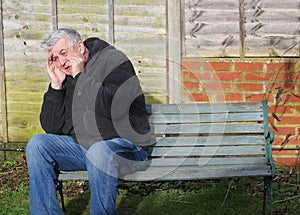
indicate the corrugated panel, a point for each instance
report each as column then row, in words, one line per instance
column 272, row 27
column 211, row 28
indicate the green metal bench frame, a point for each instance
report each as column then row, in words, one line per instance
column 205, row 141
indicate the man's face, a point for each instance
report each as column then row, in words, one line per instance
column 62, row 53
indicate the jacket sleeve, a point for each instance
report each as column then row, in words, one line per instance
column 52, row 113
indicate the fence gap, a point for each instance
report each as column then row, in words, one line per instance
column 242, row 28
column 2, row 84
column 54, row 15
column 111, row 24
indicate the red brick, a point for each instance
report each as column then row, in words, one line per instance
column 294, row 98
column 287, row 161
column 250, row 87
column 255, row 97
column 199, row 97
column 191, row 85
column 258, row 76
column 286, row 120
column 196, row 76
column 217, row 66
column 286, row 76
column 217, row 86
column 297, row 108
column 225, row 76
column 278, row 140
column 285, row 130
column 190, row 65
column 273, row 87
column 284, row 152
column 284, row 66
column 230, row 97
column 245, row 66
column 280, row 109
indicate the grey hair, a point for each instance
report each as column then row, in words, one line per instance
column 71, row 35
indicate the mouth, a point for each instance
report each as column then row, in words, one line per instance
column 67, row 70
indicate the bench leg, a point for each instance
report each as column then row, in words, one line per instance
column 59, row 188
column 268, row 188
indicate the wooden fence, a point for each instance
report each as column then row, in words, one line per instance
column 156, row 35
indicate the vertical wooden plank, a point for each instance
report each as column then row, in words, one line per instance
column 54, row 14
column 2, row 81
column 111, row 24
column 174, row 50
column 242, row 27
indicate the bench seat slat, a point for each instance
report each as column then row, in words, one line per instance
column 209, row 140
column 186, row 173
column 182, row 172
column 207, row 161
column 218, row 117
column 207, row 151
column 207, row 128
column 205, row 108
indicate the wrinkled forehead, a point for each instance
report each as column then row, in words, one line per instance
column 61, row 44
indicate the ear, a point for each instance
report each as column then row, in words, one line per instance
column 81, row 47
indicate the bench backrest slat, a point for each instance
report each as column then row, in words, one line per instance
column 207, row 161
column 209, row 140
column 207, row 151
column 160, row 129
column 205, row 117
column 205, row 108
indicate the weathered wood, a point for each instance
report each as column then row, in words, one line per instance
column 194, row 174
column 207, row 151
column 4, row 125
column 205, row 108
column 194, row 141
column 140, row 31
column 174, row 51
column 256, row 28
column 180, row 174
column 210, row 161
column 183, row 151
column 111, row 23
column 201, row 154
column 191, row 118
column 54, row 14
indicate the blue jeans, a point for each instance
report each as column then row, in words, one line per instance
column 105, row 162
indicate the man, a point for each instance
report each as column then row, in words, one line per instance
column 94, row 117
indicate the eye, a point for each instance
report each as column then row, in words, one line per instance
column 64, row 53
column 54, row 59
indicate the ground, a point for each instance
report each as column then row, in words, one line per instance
column 136, row 198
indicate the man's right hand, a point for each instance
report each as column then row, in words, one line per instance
column 56, row 76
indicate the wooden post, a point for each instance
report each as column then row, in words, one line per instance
column 54, row 15
column 242, row 28
column 111, row 24
column 173, row 41
column 2, row 82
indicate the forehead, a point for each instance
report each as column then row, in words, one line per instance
column 60, row 45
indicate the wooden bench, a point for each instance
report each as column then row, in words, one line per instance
column 206, row 141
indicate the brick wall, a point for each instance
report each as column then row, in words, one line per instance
column 234, row 80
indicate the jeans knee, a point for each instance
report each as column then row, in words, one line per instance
column 98, row 150
column 34, row 143
column 36, row 148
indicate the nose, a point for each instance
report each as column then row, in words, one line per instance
column 62, row 61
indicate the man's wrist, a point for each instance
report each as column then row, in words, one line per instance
column 56, row 86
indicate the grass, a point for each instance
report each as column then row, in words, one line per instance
column 224, row 196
